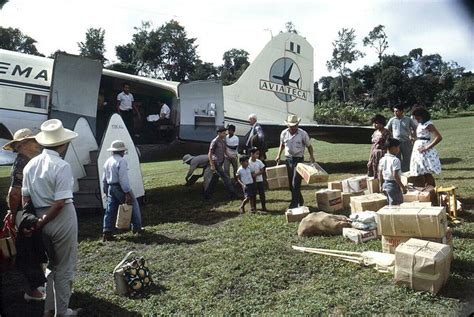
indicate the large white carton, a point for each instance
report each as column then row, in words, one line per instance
column 312, row 173
column 354, row 184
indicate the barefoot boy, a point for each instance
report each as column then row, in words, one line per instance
column 245, row 179
column 389, row 173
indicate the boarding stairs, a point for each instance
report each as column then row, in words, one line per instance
column 89, row 197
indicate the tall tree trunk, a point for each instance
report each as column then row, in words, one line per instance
column 343, row 91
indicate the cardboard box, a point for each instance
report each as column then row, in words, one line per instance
column 415, row 204
column 346, row 199
column 276, row 171
column 373, row 185
column 335, row 185
column 426, row 194
column 422, row 265
column 372, row 202
column 359, row 236
column 329, row 200
column 389, row 243
column 421, row 222
column 354, row 184
column 296, row 214
column 281, row 182
column 312, row 173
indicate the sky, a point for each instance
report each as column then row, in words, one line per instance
column 437, row 26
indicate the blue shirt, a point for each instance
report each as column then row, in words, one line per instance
column 116, row 172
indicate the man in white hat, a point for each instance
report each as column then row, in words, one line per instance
column 118, row 191
column 48, row 182
column 294, row 141
column 26, row 147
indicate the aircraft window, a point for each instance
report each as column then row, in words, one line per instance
column 298, row 49
column 36, row 101
column 292, row 46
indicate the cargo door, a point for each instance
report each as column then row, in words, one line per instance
column 201, row 110
column 75, row 89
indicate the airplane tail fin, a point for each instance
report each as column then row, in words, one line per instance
column 278, row 82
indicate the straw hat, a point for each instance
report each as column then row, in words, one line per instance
column 20, row 135
column 292, row 120
column 187, row 158
column 53, row 133
column 117, row 146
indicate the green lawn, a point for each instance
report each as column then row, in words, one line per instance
column 206, row 259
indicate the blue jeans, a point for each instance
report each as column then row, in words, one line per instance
column 225, row 178
column 294, row 179
column 115, row 197
column 394, row 192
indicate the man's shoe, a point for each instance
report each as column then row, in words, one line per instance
column 33, row 298
column 73, row 312
column 138, row 231
column 108, row 237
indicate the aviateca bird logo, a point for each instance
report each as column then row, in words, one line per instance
column 285, row 80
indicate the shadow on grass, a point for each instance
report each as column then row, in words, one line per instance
column 355, row 167
column 153, row 238
column 93, row 306
column 450, row 160
column 12, row 302
column 457, row 178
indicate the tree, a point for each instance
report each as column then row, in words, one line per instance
column 53, row 55
column 2, row 3
column 94, row 46
column 344, row 52
column 236, row 62
column 14, row 40
column 290, row 27
column 204, row 71
column 377, row 39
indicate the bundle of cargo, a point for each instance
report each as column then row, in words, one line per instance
column 422, row 265
column 365, row 220
column 329, row 200
column 371, row 202
column 296, row 214
column 416, row 222
column 312, row 173
column 422, row 194
column 358, row 235
column 354, row 184
column 373, row 185
column 335, row 185
column 277, row 177
column 346, row 199
column 390, row 243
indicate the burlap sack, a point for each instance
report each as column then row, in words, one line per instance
column 321, row 223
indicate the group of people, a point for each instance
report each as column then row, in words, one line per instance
column 42, row 212
column 404, row 144
column 223, row 153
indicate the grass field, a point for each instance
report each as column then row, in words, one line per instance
column 206, row 259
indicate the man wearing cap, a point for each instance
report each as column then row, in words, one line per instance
column 48, row 182
column 118, row 191
column 216, row 157
column 294, row 141
column 256, row 137
column 25, row 145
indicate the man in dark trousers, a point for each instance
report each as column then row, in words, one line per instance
column 256, row 138
column 126, row 106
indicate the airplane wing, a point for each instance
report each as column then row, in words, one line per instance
column 322, row 132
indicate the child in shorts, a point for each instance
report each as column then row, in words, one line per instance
column 389, row 173
column 245, row 179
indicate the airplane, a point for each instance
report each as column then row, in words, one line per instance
column 277, row 83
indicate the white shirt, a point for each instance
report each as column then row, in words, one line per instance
column 296, row 143
column 46, row 179
column 232, row 146
column 388, row 164
column 257, row 166
column 126, row 101
column 116, row 172
column 245, row 175
column 165, row 111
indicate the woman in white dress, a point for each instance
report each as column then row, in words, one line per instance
column 425, row 159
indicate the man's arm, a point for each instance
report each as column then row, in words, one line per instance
column 282, row 147
column 311, row 154
column 117, row 106
column 398, row 180
column 14, row 199
column 123, row 180
column 52, row 213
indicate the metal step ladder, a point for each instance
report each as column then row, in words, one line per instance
column 89, row 196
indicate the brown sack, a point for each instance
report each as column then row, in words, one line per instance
column 321, row 223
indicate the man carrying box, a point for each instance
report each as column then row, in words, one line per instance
column 294, row 140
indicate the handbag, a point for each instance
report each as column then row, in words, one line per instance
column 124, row 216
column 7, row 245
column 131, row 276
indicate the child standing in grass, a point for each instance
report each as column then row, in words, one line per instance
column 258, row 170
column 245, row 179
column 389, row 173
